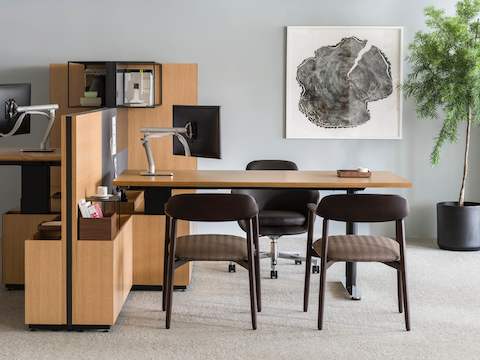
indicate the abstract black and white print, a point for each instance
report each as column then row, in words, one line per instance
column 339, row 82
column 343, row 82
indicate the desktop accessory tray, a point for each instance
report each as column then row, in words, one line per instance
column 345, row 173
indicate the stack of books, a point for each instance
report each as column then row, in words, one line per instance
column 90, row 98
column 89, row 210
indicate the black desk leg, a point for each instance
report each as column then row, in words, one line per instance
column 35, row 189
column 351, row 267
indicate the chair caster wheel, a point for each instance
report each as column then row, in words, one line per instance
column 298, row 262
column 273, row 274
column 315, row 269
column 231, row 268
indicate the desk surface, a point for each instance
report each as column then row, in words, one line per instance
column 229, row 179
column 16, row 156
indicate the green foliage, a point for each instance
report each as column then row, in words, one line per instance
column 445, row 72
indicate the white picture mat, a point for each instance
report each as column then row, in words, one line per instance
column 386, row 114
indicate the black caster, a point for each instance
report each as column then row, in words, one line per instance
column 298, row 262
column 231, row 268
column 273, row 274
column 315, row 269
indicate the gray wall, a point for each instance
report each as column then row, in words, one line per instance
column 239, row 46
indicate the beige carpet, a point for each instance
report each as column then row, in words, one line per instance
column 211, row 320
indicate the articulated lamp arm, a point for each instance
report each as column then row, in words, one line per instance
column 47, row 111
column 152, row 133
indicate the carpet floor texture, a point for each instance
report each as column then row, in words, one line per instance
column 211, row 320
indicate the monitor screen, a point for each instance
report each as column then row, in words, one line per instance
column 21, row 94
column 205, row 121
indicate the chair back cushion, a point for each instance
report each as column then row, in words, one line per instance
column 279, row 199
column 211, row 207
column 363, row 208
column 271, row 165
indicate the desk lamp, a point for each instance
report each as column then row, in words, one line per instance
column 48, row 111
column 182, row 133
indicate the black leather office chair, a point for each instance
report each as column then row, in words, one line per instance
column 282, row 212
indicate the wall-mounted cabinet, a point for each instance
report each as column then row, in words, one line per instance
column 114, row 84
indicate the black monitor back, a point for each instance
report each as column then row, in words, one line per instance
column 205, row 121
column 21, row 93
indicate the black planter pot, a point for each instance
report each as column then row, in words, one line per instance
column 458, row 227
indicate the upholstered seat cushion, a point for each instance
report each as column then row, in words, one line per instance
column 281, row 218
column 360, row 248
column 211, row 247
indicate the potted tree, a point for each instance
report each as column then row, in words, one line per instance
column 445, row 76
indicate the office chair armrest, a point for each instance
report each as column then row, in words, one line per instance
column 312, row 208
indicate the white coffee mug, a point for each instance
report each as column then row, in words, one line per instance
column 102, row 190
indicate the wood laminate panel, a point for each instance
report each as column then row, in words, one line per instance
column 103, row 278
column 148, row 250
column 122, row 267
column 16, row 229
column 44, row 283
column 179, row 86
column 102, row 269
column 261, row 179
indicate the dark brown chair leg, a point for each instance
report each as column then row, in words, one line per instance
column 165, row 263
column 257, row 265
column 405, row 299
column 171, row 271
column 323, row 274
column 308, row 257
column 400, row 235
column 399, row 291
column 251, row 276
column 306, row 287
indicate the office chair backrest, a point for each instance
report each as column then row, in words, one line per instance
column 363, row 208
column 271, row 165
column 279, row 199
column 211, row 207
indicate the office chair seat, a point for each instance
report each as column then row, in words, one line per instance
column 360, row 248
column 211, row 248
column 279, row 223
column 281, row 218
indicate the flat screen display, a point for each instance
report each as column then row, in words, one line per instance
column 21, row 94
column 205, row 121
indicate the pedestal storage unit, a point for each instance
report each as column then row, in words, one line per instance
column 17, row 228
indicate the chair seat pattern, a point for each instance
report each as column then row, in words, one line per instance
column 209, row 247
column 360, row 248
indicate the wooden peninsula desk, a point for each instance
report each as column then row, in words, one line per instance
column 159, row 188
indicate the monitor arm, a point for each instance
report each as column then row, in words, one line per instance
column 151, row 133
column 48, row 111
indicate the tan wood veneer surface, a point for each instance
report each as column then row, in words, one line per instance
column 255, row 178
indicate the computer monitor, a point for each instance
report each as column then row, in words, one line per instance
column 205, row 122
column 21, row 93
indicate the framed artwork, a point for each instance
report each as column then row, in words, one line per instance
column 343, row 82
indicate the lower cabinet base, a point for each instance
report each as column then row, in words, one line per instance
column 156, row 287
column 79, row 328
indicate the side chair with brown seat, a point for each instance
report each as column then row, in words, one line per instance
column 367, row 208
column 213, row 247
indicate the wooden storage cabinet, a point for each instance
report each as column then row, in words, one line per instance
column 45, row 282
column 148, row 247
column 17, row 228
column 103, row 278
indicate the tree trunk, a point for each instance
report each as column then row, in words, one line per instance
column 461, row 199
